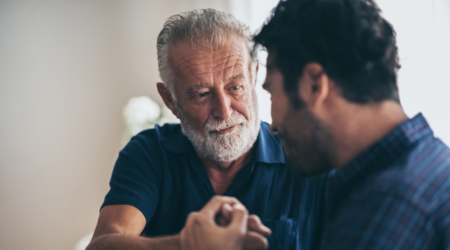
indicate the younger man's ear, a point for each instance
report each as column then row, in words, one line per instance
column 167, row 97
column 314, row 85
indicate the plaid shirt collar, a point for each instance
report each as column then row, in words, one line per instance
column 379, row 156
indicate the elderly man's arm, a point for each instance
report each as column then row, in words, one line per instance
column 119, row 227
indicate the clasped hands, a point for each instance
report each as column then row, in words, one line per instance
column 223, row 224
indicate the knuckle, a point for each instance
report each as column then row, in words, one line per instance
column 235, row 200
column 194, row 216
column 216, row 198
column 231, row 199
column 254, row 220
column 241, row 208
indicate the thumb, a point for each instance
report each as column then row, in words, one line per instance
column 239, row 218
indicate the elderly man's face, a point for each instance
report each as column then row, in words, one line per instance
column 215, row 98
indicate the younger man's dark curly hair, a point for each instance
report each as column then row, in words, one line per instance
column 349, row 38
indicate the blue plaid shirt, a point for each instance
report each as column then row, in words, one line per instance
column 395, row 195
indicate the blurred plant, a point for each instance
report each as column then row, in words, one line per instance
column 142, row 113
column 84, row 242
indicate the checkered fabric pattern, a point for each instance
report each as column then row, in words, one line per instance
column 395, row 195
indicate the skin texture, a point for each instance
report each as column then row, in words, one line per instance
column 209, row 83
column 328, row 131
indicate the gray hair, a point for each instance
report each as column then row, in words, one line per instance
column 205, row 27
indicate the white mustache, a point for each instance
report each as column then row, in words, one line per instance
column 216, row 125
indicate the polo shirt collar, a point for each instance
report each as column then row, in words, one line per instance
column 177, row 142
column 267, row 146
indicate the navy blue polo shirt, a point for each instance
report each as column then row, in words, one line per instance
column 159, row 173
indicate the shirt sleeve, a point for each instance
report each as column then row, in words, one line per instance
column 136, row 178
column 381, row 220
column 441, row 214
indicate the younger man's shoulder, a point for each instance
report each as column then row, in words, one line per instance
column 421, row 177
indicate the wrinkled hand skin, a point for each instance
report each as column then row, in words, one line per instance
column 224, row 224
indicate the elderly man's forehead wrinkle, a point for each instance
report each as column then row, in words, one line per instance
column 239, row 63
column 186, row 65
column 204, row 68
column 224, row 71
column 229, row 62
column 229, row 59
column 208, row 65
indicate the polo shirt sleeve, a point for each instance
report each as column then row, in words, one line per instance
column 136, row 178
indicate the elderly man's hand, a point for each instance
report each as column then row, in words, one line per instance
column 255, row 236
column 237, row 230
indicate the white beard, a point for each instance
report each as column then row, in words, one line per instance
column 227, row 147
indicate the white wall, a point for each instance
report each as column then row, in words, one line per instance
column 66, row 70
column 423, row 36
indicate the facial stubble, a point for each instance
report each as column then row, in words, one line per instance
column 307, row 143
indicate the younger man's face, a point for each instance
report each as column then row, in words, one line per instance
column 306, row 140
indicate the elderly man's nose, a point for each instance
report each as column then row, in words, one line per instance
column 222, row 107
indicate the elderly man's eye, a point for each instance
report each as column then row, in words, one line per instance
column 236, row 87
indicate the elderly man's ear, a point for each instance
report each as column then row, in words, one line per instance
column 167, row 97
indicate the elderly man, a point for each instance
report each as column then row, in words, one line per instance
column 220, row 148
column 331, row 72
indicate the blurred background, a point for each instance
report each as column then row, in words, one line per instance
column 68, row 68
